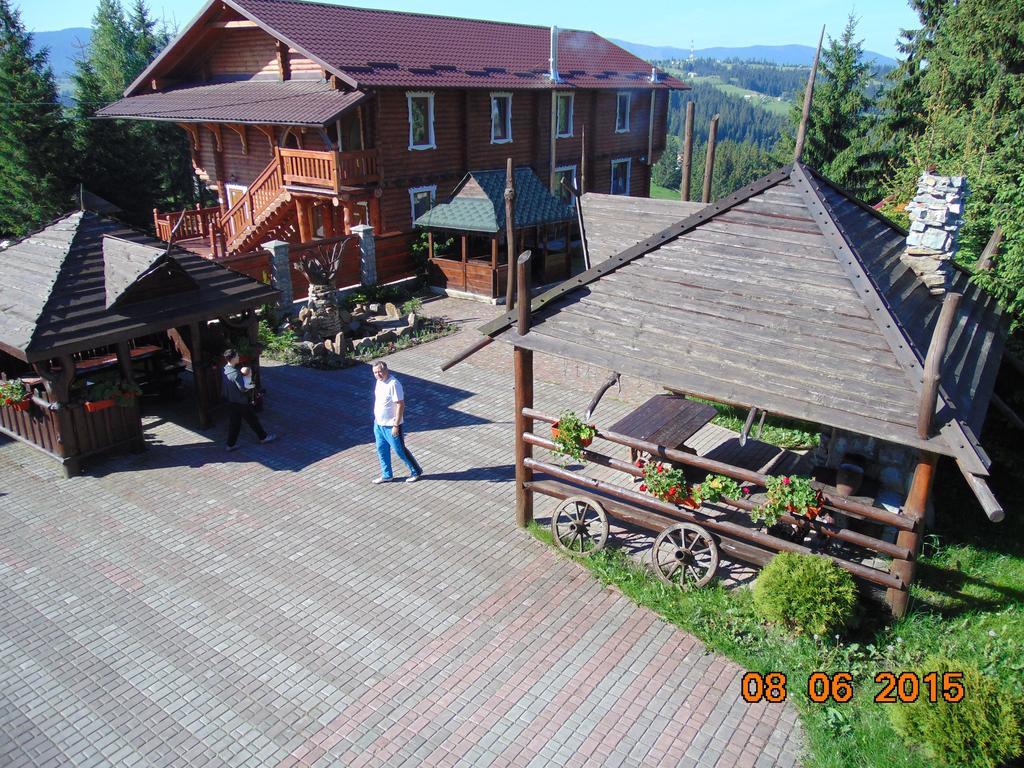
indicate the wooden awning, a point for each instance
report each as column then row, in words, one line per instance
column 789, row 296
column 86, row 281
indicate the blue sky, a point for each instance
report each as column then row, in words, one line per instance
column 653, row 22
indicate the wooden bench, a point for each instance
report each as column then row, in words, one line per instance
column 668, row 420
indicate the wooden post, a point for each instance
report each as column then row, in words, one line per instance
column 801, row 134
column 523, row 372
column 913, row 509
column 302, row 213
column 58, row 391
column 465, row 258
column 554, row 138
column 687, row 154
column 510, row 236
column 985, row 262
column 124, row 360
column 583, row 158
column 200, row 372
column 650, row 140
column 346, row 213
column 430, row 245
column 933, row 364
column 709, row 160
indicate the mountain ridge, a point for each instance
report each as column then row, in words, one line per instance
column 799, row 55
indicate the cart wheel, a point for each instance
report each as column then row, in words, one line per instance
column 685, row 555
column 579, row 526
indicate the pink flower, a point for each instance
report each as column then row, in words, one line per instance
column 785, row 481
column 745, row 491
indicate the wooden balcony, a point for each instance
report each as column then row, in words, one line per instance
column 330, row 171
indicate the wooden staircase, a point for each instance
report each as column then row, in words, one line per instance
column 266, row 207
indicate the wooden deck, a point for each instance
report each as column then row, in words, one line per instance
column 197, row 245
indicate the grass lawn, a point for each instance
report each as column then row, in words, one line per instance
column 768, row 103
column 663, row 193
column 967, row 603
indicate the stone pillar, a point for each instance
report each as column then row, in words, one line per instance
column 367, row 254
column 281, row 273
column 936, row 213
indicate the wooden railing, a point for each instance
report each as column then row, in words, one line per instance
column 199, row 222
column 360, row 167
column 326, row 171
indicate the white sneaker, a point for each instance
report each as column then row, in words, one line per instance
column 412, row 478
column 379, row 480
column 271, row 437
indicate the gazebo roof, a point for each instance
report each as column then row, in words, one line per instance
column 86, row 281
column 478, row 204
column 789, row 296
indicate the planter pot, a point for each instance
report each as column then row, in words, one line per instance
column 585, row 442
column 21, row 405
column 95, row 406
column 689, row 502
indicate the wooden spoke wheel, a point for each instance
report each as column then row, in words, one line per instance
column 579, row 526
column 685, row 555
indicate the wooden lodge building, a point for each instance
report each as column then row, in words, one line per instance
column 309, row 119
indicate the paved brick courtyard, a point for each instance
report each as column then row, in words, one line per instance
column 271, row 607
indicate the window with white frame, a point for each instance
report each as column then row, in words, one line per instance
column 501, row 118
column 567, row 172
column 622, row 101
column 563, row 127
column 620, row 176
column 421, row 200
column 421, row 120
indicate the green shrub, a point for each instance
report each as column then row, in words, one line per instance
column 983, row 730
column 806, row 593
column 412, row 306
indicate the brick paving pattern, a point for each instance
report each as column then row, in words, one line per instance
column 270, row 607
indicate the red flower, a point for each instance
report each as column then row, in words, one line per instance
column 785, row 481
column 745, row 491
column 643, row 487
column 660, row 469
column 639, row 462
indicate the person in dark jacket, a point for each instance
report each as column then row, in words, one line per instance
column 236, row 393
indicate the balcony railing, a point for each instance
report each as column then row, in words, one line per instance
column 329, row 170
column 186, row 225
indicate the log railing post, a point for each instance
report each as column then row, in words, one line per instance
column 687, row 164
column 914, row 509
column 933, row 364
column 709, row 159
column 523, row 372
column 510, row 236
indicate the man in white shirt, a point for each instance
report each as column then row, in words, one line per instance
column 388, row 413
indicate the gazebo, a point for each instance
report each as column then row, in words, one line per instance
column 788, row 297
column 86, row 300
column 475, row 214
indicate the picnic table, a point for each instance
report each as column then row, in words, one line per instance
column 668, row 420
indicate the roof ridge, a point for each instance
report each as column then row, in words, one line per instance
column 896, row 336
column 387, row 11
column 641, row 249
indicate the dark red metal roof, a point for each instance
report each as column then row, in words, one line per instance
column 293, row 102
column 372, row 48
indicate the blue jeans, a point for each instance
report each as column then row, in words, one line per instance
column 386, row 442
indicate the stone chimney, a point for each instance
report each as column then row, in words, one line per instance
column 936, row 213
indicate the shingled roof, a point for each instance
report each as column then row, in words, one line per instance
column 478, row 204
column 293, row 102
column 790, row 296
column 373, row 48
column 87, row 281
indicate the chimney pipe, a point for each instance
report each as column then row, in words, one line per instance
column 554, row 55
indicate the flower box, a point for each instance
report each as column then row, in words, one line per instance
column 584, row 441
column 21, row 405
column 95, row 406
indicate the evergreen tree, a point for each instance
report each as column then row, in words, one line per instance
column 138, row 165
column 838, row 133
column 33, row 189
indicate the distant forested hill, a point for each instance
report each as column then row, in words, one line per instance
column 65, row 46
column 740, row 120
column 801, row 55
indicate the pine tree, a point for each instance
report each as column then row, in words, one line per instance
column 33, row 150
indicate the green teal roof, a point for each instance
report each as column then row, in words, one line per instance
column 478, row 204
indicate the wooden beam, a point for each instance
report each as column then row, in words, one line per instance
column 214, row 128
column 801, row 134
column 283, row 65
column 684, row 186
column 583, row 158
column 193, row 131
column 302, row 213
column 989, row 503
column 650, row 135
column 709, row 160
column 933, row 364
column 233, row 24
column 523, row 291
column 240, row 130
column 268, row 131
column 472, row 349
column 510, row 235
column 988, row 256
column 914, row 510
column 522, row 366
column 608, row 384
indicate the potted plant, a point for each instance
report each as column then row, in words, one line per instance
column 15, row 395
column 666, row 482
column 107, row 394
column 571, row 435
column 715, row 488
column 788, row 494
